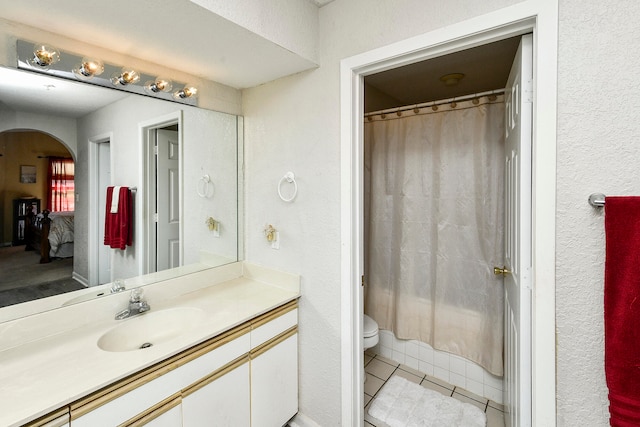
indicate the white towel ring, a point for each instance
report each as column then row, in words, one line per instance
column 290, row 178
column 203, row 183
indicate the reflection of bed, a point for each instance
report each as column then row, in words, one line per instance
column 50, row 233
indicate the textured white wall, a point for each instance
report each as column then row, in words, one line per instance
column 294, row 124
column 598, row 151
column 209, row 140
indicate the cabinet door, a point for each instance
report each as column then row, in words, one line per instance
column 170, row 418
column 220, row 400
column 274, row 383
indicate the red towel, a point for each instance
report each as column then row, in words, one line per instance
column 622, row 309
column 117, row 226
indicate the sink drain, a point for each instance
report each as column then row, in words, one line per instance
column 146, row 345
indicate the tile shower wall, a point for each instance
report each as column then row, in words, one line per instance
column 445, row 366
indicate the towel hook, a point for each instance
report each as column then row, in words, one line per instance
column 291, row 179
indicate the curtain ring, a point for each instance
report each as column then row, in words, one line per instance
column 290, row 178
column 203, row 182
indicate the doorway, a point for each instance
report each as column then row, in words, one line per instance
column 434, row 218
column 100, row 255
column 539, row 19
column 163, row 197
column 37, row 193
column 104, row 180
column 167, row 197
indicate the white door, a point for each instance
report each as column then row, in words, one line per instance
column 104, row 180
column 517, row 281
column 168, row 200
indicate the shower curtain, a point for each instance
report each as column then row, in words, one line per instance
column 434, row 227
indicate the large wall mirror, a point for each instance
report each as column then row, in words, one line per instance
column 181, row 161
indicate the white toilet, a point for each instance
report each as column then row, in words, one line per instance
column 369, row 332
column 370, row 335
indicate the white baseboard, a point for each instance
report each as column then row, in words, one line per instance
column 79, row 278
column 301, row 420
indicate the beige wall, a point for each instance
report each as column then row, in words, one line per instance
column 23, row 148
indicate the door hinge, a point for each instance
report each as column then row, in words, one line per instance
column 155, row 150
column 155, row 217
column 528, row 91
column 362, row 280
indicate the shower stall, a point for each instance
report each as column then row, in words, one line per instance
column 433, row 231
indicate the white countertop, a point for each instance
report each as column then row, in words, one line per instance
column 39, row 376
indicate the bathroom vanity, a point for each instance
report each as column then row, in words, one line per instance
column 218, row 347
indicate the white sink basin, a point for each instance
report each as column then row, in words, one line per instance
column 151, row 328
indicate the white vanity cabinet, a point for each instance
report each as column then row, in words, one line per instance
column 131, row 399
column 247, row 376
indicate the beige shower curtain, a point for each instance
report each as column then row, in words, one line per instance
column 434, row 227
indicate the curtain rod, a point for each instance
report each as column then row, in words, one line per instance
column 440, row 102
column 59, row 157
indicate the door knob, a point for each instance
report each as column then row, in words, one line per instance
column 498, row 271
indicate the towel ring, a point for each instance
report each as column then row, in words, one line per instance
column 290, row 178
column 203, row 182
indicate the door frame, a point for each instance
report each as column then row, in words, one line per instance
column 93, row 240
column 146, row 233
column 541, row 18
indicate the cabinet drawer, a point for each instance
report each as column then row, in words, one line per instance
column 269, row 327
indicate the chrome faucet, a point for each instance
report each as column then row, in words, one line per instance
column 137, row 305
column 118, row 286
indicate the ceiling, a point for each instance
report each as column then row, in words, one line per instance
column 40, row 94
column 219, row 50
column 175, row 33
column 485, row 68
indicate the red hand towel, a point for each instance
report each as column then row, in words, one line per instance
column 622, row 309
column 117, row 226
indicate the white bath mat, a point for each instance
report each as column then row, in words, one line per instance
column 401, row 403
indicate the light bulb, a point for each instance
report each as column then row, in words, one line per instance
column 126, row 77
column 160, row 84
column 44, row 56
column 186, row 92
column 88, row 68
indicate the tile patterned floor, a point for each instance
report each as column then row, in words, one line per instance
column 379, row 369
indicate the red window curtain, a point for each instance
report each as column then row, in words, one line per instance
column 60, row 189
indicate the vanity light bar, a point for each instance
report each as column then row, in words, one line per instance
column 82, row 68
